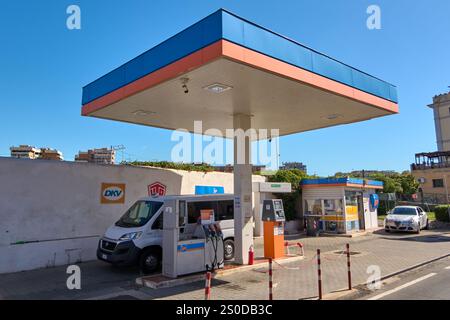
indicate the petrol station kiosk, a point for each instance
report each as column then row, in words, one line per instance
column 231, row 73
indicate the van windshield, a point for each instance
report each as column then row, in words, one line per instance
column 139, row 214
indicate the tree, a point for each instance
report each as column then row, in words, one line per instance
column 294, row 177
column 394, row 182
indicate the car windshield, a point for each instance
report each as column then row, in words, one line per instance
column 139, row 214
column 404, row 211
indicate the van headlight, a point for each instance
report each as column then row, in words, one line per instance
column 131, row 236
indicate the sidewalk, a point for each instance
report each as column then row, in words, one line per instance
column 391, row 252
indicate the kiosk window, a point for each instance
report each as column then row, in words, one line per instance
column 333, row 207
column 313, row 207
column 194, row 209
column 351, row 198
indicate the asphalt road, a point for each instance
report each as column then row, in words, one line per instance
column 431, row 282
column 102, row 281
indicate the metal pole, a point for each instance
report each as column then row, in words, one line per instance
column 208, row 286
column 349, row 269
column 270, row 280
column 302, row 250
column 446, row 189
column 319, row 274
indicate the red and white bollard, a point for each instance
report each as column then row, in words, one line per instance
column 319, row 274
column 270, row 280
column 251, row 256
column 349, row 271
column 208, row 286
column 302, row 250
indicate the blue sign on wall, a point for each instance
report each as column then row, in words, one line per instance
column 209, row 190
column 374, row 201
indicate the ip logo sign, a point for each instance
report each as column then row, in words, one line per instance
column 157, row 189
column 113, row 193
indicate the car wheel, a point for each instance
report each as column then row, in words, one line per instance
column 228, row 249
column 427, row 226
column 149, row 261
column 387, row 230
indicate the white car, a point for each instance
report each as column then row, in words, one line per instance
column 406, row 218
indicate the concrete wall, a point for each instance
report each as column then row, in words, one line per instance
column 54, row 207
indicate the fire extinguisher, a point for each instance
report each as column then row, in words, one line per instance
column 251, row 256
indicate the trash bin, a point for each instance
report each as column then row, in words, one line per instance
column 312, row 226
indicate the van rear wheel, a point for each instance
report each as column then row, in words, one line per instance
column 228, row 248
column 149, row 261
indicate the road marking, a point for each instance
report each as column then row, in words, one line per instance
column 384, row 294
column 447, row 268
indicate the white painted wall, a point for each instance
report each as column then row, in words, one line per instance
column 57, row 205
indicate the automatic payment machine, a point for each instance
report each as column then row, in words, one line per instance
column 273, row 218
column 190, row 248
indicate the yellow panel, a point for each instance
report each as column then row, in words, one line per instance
column 351, row 213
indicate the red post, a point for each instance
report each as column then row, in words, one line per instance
column 349, row 271
column 319, row 274
column 208, row 286
column 270, row 280
column 301, row 248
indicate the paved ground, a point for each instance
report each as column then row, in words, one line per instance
column 391, row 252
column 430, row 282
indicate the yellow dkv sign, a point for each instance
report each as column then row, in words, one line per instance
column 112, row 193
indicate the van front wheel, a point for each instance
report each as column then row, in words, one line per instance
column 149, row 261
column 228, row 248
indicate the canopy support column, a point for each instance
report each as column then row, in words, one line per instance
column 243, row 213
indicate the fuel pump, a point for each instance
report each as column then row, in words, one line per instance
column 190, row 248
column 273, row 218
column 214, row 249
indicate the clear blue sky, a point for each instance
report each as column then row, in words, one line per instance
column 43, row 67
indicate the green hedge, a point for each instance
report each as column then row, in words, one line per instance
column 442, row 213
column 173, row 165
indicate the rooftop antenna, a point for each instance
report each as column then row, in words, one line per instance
column 120, row 148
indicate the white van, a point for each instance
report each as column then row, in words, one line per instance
column 137, row 237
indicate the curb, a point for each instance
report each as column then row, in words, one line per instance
column 146, row 282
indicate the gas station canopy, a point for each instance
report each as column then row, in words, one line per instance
column 232, row 74
column 232, row 66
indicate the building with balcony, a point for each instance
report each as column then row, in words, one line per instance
column 441, row 111
column 33, row 153
column 432, row 169
column 98, row 156
column 25, row 152
column 51, row 154
column 293, row 165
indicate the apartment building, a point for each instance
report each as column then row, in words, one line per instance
column 30, row 152
column 98, row 156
